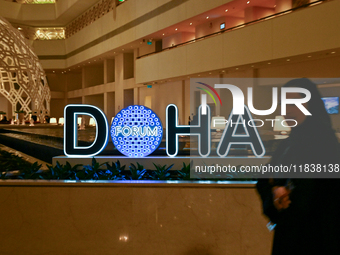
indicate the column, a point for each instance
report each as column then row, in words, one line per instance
column 119, row 82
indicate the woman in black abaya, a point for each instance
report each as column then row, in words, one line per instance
column 306, row 211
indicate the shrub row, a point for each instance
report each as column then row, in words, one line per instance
column 15, row 167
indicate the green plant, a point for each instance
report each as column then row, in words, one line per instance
column 115, row 171
column 161, row 172
column 30, row 171
column 12, row 162
column 93, row 171
column 184, row 173
column 61, row 172
column 20, row 111
column 137, row 173
column 14, row 167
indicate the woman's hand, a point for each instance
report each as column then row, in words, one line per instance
column 281, row 197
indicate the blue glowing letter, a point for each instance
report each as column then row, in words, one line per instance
column 173, row 130
column 71, row 147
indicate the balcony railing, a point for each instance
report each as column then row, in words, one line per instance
column 236, row 27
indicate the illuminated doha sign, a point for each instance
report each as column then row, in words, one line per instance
column 137, row 131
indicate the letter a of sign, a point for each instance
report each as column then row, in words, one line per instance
column 230, row 136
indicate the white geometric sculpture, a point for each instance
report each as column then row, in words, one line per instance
column 22, row 79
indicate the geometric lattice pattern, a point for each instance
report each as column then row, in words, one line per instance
column 33, row 1
column 49, row 33
column 44, row 33
column 22, row 79
column 91, row 15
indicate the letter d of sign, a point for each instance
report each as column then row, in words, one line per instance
column 71, row 147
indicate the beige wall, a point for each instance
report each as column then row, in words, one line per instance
column 6, row 107
column 162, row 95
column 57, row 110
column 255, row 12
column 141, row 219
column 209, row 27
column 177, row 39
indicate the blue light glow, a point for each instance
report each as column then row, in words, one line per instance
column 136, row 131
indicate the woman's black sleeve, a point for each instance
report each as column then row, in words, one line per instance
column 264, row 188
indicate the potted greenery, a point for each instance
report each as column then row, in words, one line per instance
column 21, row 115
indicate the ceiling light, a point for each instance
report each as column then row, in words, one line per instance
column 207, row 17
column 19, row 28
column 309, row 56
column 163, row 34
column 176, row 29
column 53, row 71
column 226, row 10
column 248, row 2
column 288, row 59
column 190, row 23
column 236, row 68
column 269, row 63
column 333, row 52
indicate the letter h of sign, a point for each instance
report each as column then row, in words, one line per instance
column 173, row 130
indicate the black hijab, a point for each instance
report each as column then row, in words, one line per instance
column 315, row 105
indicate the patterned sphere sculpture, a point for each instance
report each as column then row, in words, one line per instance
column 22, row 79
column 136, row 131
